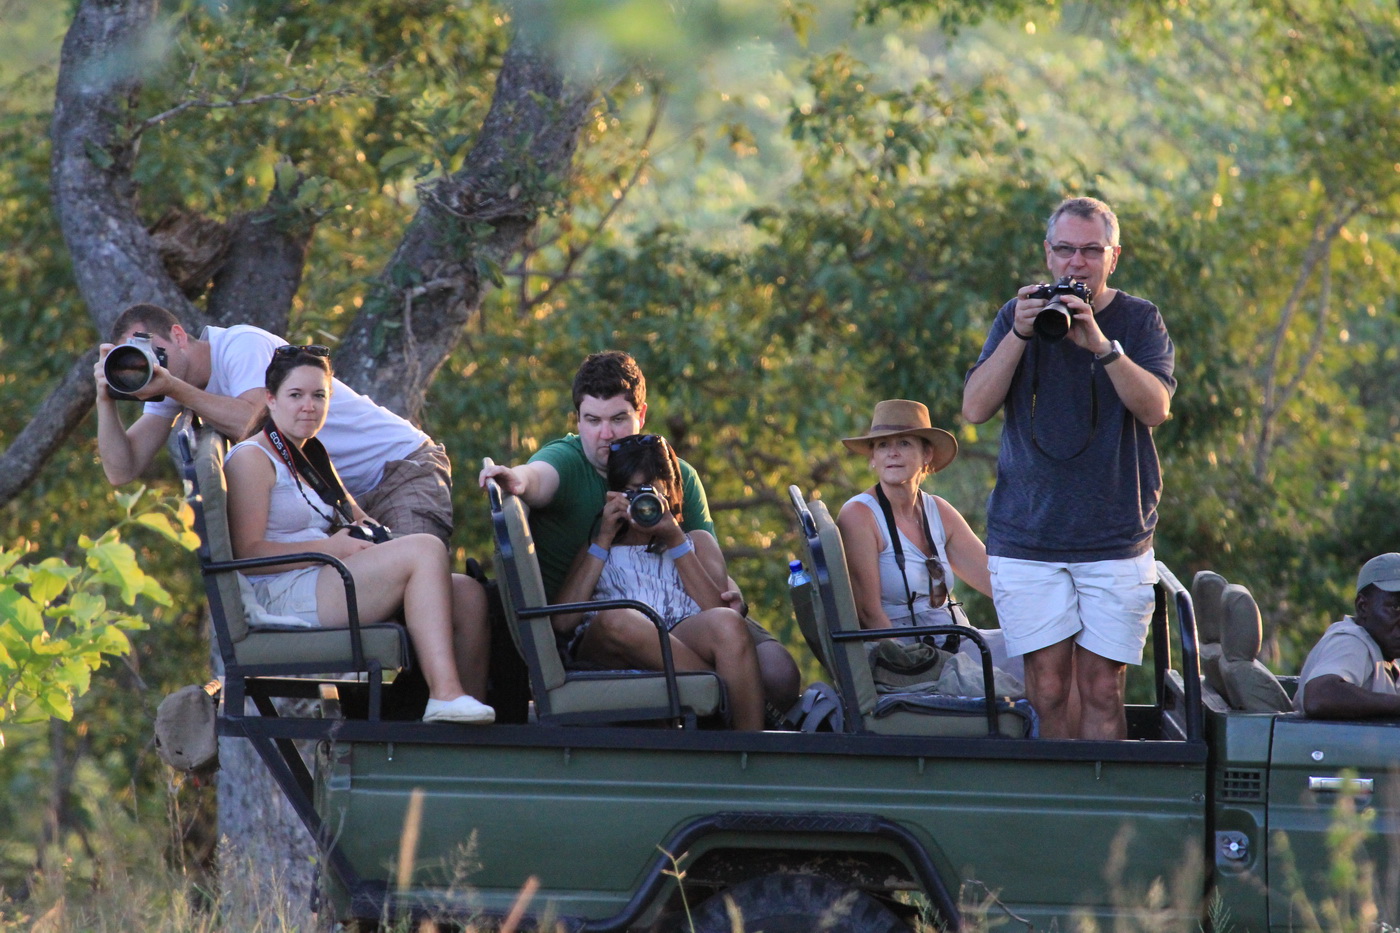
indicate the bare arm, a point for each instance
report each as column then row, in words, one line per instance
column 250, row 480
column 988, row 384
column 966, row 552
column 703, row 573
column 1142, row 393
column 536, row 483
column 125, row 452
column 584, row 573
column 861, row 538
column 1330, row 697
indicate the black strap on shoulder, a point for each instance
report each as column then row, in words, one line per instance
column 894, row 543
column 950, row 642
column 311, row 463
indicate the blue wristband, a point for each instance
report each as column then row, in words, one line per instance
column 680, row 550
column 598, row 551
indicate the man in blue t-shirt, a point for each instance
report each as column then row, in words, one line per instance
column 565, row 486
column 1070, row 520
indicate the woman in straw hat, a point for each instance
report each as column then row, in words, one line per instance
column 906, row 577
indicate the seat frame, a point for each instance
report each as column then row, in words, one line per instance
column 518, row 611
column 837, row 662
column 263, row 681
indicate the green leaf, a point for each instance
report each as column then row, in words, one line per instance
column 397, row 156
column 159, row 522
column 21, row 615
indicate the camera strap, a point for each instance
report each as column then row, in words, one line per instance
column 312, row 463
column 951, row 642
column 1035, row 393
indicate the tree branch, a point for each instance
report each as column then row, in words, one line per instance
column 467, row 222
column 54, row 420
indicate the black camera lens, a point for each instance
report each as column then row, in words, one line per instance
column 645, row 507
column 1053, row 321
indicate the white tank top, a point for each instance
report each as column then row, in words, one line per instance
column 893, row 598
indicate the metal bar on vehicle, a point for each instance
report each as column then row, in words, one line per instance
column 1190, row 652
column 352, row 606
column 964, row 631
column 668, row 663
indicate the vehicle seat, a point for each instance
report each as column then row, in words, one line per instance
column 257, row 654
column 1249, row 685
column 564, row 696
column 1206, row 589
column 828, row 607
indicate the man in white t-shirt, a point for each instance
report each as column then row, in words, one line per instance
column 398, row 474
column 1351, row 673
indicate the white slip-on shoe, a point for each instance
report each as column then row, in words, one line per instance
column 462, row 709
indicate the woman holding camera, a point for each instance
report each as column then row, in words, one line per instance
column 640, row 552
column 280, row 503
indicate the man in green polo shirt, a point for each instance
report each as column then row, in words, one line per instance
column 565, row 486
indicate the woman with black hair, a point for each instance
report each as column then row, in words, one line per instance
column 681, row 575
column 279, row 503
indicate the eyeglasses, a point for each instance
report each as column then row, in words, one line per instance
column 1065, row 251
column 637, row 440
column 311, row 349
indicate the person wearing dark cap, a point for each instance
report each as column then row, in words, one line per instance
column 903, row 546
column 1351, row 673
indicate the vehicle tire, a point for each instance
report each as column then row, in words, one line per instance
column 781, row 903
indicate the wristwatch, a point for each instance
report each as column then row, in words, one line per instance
column 1115, row 350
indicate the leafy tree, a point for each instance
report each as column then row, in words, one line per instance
column 59, row 626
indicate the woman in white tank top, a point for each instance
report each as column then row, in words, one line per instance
column 274, row 509
column 936, row 542
column 680, row 575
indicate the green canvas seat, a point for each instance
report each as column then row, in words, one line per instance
column 826, row 612
column 257, row 657
column 563, row 696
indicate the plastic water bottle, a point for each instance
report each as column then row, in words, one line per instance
column 797, row 575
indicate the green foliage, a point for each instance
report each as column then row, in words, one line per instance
column 59, row 625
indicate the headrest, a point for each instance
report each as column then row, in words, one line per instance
column 1206, row 589
column 1241, row 631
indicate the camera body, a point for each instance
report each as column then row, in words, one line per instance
column 646, row 506
column 369, row 531
column 131, row 366
column 1055, row 319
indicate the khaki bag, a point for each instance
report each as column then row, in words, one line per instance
column 187, row 737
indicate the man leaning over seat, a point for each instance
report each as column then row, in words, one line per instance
column 400, row 476
column 1350, row 673
column 565, row 486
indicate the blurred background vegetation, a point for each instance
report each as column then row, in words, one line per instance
column 786, row 211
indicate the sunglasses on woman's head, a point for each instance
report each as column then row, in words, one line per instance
column 311, row 349
column 637, row 440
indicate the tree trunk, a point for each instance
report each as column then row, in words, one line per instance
column 469, row 222
column 267, row 859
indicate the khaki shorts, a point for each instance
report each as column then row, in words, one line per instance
column 1105, row 606
column 415, row 494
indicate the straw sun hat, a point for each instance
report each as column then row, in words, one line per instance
column 901, row 416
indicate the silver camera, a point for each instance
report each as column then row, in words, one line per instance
column 130, row 367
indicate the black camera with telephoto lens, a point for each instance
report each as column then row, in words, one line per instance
column 646, row 506
column 131, row 366
column 1055, row 319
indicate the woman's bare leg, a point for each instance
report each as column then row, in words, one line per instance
column 412, row 572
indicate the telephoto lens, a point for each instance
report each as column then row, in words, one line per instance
column 131, row 366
